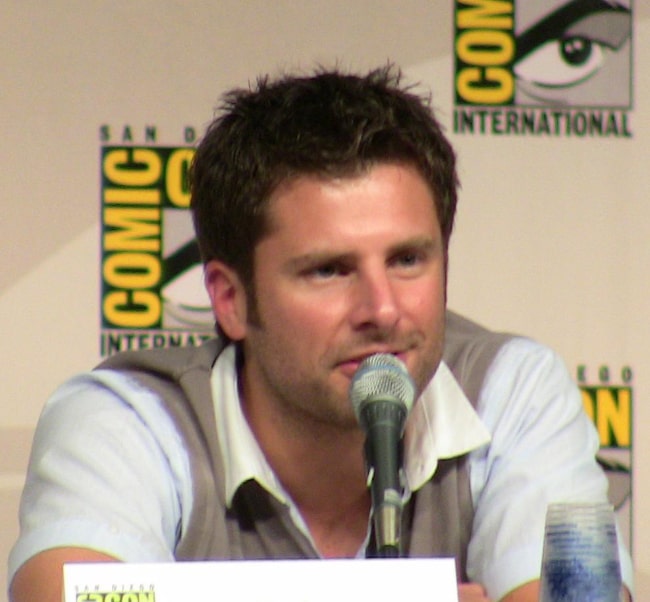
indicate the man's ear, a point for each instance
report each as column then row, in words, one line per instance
column 228, row 298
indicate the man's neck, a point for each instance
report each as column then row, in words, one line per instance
column 332, row 498
column 323, row 470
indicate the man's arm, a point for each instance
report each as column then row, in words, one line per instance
column 529, row 592
column 102, row 477
column 543, row 449
column 40, row 579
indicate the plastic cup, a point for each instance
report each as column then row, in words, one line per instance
column 580, row 561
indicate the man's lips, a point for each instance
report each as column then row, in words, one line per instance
column 349, row 367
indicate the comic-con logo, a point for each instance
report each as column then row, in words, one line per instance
column 135, row 595
column 152, row 293
column 553, row 67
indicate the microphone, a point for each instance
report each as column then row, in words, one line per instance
column 382, row 395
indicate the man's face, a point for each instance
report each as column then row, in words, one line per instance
column 351, row 267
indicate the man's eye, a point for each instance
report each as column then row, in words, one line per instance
column 407, row 259
column 325, row 271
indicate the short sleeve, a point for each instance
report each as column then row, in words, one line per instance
column 543, row 450
column 107, row 472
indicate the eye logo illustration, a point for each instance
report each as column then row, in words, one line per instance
column 578, row 55
column 185, row 303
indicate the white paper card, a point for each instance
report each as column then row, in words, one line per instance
column 381, row 580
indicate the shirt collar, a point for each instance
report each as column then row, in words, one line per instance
column 442, row 424
column 243, row 458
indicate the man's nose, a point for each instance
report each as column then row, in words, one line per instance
column 376, row 302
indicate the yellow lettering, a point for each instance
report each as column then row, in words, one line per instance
column 138, row 309
column 613, row 417
column 132, row 196
column 175, row 180
column 487, row 14
column 485, row 86
column 485, row 48
column 132, row 167
column 588, row 404
column 132, row 270
column 139, row 229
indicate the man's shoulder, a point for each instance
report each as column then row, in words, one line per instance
column 174, row 361
column 459, row 328
column 469, row 351
column 467, row 341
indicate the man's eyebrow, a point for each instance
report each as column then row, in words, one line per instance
column 314, row 258
column 419, row 243
column 557, row 24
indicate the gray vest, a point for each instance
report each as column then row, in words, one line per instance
column 437, row 521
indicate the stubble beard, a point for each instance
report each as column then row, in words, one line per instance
column 308, row 405
column 312, row 406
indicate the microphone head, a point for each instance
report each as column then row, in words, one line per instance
column 381, row 377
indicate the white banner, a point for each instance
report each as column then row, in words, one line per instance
column 382, row 580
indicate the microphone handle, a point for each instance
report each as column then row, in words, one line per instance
column 383, row 450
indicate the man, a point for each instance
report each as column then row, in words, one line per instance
column 323, row 208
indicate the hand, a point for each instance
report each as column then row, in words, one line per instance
column 472, row 592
